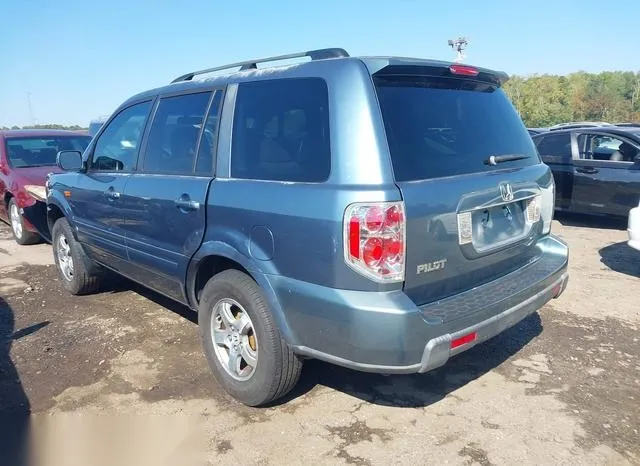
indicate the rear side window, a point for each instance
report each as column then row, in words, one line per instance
column 281, row 131
column 208, row 140
column 174, row 134
column 439, row 127
column 558, row 145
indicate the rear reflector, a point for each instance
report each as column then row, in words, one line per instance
column 463, row 70
column 557, row 290
column 464, row 340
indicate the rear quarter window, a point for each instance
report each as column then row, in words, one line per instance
column 281, row 131
column 439, row 127
column 557, row 145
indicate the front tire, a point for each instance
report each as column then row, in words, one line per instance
column 71, row 261
column 242, row 343
column 21, row 235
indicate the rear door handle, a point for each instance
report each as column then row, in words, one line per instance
column 185, row 203
column 589, row 170
column 111, row 194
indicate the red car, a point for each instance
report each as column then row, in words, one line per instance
column 26, row 157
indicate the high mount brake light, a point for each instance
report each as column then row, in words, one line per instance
column 464, row 70
column 374, row 240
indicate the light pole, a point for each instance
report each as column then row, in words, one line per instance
column 459, row 45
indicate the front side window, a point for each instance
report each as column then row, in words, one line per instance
column 174, row 134
column 605, row 147
column 41, row 151
column 281, row 131
column 117, row 147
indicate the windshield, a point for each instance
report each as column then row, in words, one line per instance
column 440, row 127
column 39, row 151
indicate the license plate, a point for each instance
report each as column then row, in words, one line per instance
column 498, row 225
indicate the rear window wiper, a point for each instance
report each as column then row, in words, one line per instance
column 496, row 159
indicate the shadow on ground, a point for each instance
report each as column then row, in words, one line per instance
column 420, row 390
column 591, row 221
column 416, row 390
column 14, row 403
column 621, row 258
column 118, row 284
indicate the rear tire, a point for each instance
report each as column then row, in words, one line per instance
column 18, row 228
column 250, row 329
column 76, row 269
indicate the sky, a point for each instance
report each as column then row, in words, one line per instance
column 78, row 60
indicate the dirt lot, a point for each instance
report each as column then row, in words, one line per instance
column 120, row 378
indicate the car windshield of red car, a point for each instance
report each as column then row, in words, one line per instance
column 41, row 151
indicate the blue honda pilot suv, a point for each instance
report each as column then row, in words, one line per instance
column 381, row 213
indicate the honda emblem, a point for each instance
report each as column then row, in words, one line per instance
column 506, row 191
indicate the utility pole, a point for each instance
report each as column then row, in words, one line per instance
column 459, row 45
column 31, row 116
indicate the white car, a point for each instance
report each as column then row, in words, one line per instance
column 634, row 228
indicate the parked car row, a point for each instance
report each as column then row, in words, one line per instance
column 382, row 214
column 596, row 168
column 634, row 227
column 26, row 157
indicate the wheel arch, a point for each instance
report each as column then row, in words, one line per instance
column 56, row 209
column 7, row 197
column 215, row 257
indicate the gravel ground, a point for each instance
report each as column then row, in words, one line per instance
column 119, row 378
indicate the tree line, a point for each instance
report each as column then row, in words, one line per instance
column 544, row 100
column 48, row 126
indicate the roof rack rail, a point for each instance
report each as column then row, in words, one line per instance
column 320, row 54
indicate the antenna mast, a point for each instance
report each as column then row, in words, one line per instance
column 459, row 45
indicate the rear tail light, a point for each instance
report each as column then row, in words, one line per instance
column 547, row 201
column 534, row 206
column 463, row 70
column 374, row 240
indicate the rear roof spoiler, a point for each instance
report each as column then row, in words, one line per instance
column 442, row 70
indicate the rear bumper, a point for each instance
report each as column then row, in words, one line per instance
column 634, row 228
column 439, row 350
column 388, row 333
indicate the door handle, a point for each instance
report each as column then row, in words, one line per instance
column 111, row 194
column 589, row 170
column 185, row 203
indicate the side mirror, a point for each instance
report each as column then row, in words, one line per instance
column 69, row 160
column 3, row 168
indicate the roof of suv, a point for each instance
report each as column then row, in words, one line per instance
column 326, row 57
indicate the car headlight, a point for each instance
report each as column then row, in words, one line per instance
column 38, row 192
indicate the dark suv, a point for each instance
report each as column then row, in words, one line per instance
column 383, row 214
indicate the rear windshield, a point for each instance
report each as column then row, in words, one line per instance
column 440, row 127
column 41, row 151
